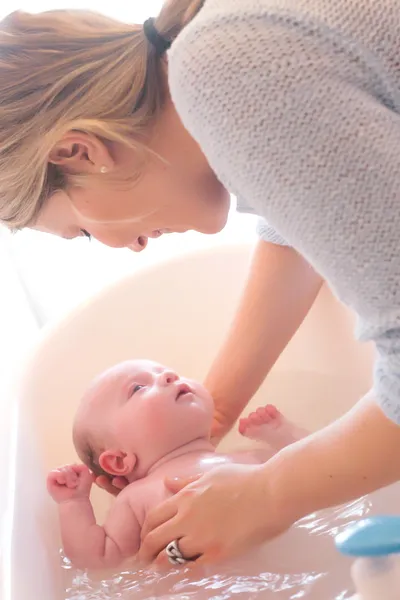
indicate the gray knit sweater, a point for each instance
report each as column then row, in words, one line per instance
column 296, row 104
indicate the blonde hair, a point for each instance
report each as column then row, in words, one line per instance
column 72, row 70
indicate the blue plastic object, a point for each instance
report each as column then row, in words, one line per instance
column 378, row 536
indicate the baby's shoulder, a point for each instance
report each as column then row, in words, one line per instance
column 143, row 495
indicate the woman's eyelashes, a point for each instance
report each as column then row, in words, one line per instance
column 86, row 234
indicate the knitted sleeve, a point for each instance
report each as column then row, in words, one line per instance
column 296, row 120
column 268, row 233
column 264, row 230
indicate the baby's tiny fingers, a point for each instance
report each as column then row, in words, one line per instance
column 53, row 479
column 80, row 470
column 71, row 479
column 85, row 478
column 60, row 478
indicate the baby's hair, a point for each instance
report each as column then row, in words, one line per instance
column 70, row 70
column 90, row 459
column 88, row 452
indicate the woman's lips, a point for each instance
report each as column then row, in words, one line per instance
column 141, row 242
column 159, row 232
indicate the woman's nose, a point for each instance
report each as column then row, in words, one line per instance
column 138, row 245
column 167, row 377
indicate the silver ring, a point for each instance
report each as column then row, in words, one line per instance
column 174, row 554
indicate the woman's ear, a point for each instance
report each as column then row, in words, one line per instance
column 81, row 152
column 117, row 463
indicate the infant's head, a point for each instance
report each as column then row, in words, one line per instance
column 137, row 413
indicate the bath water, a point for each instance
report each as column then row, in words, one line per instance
column 302, row 564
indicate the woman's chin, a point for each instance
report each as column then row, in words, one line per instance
column 218, row 225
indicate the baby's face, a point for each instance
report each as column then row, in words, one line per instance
column 143, row 410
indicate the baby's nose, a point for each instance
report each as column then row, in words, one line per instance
column 168, row 377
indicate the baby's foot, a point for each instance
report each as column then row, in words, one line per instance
column 267, row 424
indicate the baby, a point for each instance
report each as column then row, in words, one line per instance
column 141, row 421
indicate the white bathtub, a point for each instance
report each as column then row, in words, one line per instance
column 176, row 313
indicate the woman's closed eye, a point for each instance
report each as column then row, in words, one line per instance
column 86, row 234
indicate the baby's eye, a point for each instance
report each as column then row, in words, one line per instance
column 136, row 388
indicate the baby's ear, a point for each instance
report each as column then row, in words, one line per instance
column 117, row 463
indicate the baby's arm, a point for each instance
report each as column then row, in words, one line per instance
column 88, row 545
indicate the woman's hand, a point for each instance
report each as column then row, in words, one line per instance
column 113, row 487
column 235, row 507
column 221, row 514
column 221, row 426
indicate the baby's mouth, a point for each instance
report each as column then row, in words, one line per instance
column 183, row 390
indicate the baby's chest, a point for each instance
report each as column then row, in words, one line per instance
column 152, row 491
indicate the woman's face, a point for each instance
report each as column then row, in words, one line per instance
column 177, row 190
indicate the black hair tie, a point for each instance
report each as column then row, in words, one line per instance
column 155, row 38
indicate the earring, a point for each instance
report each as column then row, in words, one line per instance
column 103, row 170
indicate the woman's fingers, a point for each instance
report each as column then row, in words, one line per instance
column 220, row 427
column 112, row 487
column 163, row 563
column 156, row 541
column 105, row 484
column 177, row 484
column 156, row 517
column 120, row 483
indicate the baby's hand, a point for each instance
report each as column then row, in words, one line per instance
column 69, row 483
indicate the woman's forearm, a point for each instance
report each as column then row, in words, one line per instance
column 280, row 290
column 354, row 456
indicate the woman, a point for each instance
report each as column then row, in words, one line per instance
column 293, row 106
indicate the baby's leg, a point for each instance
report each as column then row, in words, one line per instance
column 268, row 425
